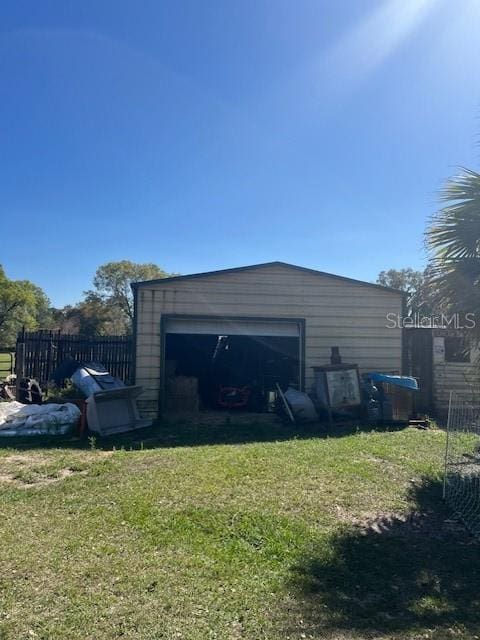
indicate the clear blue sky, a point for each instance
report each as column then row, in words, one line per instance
column 217, row 133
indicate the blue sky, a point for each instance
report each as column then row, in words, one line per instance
column 204, row 135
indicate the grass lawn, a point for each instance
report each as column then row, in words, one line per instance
column 234, row 533
column 5, row 365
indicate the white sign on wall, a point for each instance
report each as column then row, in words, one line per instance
column 343, row 387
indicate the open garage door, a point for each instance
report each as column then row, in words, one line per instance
column 218, row 356
column 233, row 327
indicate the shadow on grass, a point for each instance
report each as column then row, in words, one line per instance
column 417, row 576
column 165, row 435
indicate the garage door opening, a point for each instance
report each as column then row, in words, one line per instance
column 232, row 369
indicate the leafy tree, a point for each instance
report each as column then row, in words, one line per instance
column 105, row 310
column 112, row 286
column 453, row 239
column 417, row 285
column 43, row 309
column 91, row 317
column 22, row 303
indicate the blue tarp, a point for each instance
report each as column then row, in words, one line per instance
column 400, row 381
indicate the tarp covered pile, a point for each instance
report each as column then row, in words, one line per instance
column 17, row 419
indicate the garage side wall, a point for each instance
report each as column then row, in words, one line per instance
column 337, row 313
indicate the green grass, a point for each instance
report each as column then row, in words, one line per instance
column 289, row 538
column 5, row 365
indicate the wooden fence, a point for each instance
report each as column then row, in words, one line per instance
column 38, row 353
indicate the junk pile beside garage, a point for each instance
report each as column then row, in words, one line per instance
column 239, row 375
column 109, row 406
column 339, row 393
column 17, row 419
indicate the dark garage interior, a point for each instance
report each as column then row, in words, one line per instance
column 228, row 372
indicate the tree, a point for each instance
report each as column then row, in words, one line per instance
column 91, row 317
column 22, row 303
column 453, row 240
column 416, row 284
column 112, row 283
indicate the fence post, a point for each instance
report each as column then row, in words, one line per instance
column 449, row 422
column 19, row 366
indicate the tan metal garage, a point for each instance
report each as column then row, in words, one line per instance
column 298, row 312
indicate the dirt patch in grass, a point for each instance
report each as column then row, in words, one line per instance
column 61, row 474
column 35, row 478
column 33, row 468
column 27, row 458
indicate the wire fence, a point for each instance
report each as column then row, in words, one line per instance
column 461, row 485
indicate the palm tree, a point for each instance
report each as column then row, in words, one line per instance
column 453, row 241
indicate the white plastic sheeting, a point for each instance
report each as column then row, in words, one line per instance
column 17, row 419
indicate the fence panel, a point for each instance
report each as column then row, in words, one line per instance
column 42, row 351
column 461, row 486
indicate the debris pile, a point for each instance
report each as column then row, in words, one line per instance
column 17, row 419
column 111, row 405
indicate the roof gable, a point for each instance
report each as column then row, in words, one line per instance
column 263, row 265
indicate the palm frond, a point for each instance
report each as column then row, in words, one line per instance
column 453, row 241
column 454, row 233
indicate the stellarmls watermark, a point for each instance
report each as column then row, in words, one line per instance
column 442, row 321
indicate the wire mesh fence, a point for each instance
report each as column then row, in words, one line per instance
column 461, row 486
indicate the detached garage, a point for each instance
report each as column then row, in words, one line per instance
column 235, row 333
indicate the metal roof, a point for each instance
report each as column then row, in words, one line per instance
column 262, row 265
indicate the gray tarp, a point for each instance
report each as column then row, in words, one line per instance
column 17, row 419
